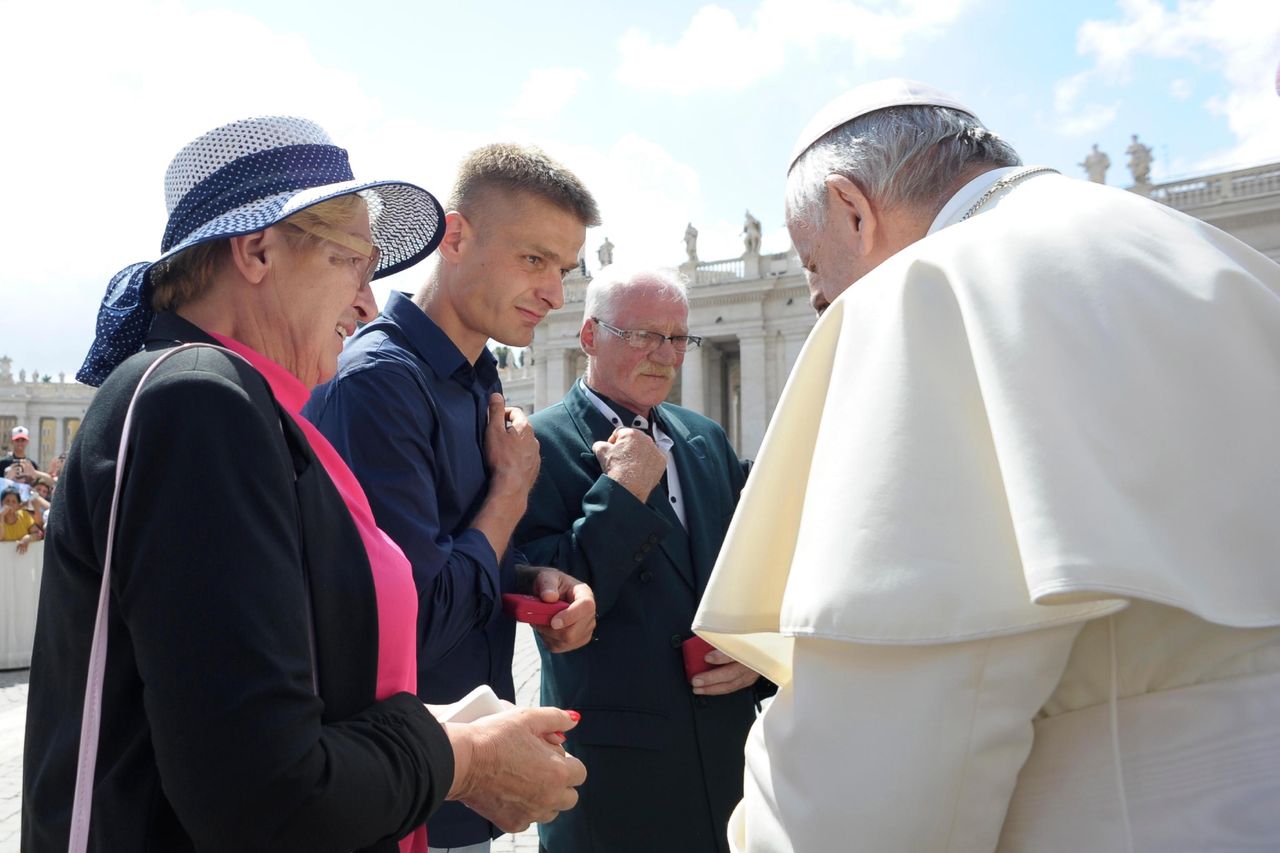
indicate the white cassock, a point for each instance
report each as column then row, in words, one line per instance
column 1011, row 548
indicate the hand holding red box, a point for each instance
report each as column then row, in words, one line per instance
column 695, row 651
column 531, row 609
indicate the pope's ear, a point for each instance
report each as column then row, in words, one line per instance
column 851, row 215
column 457, row 231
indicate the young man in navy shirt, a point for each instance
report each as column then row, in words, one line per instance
column 416, row 409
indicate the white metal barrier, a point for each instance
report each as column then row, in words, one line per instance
column 19, row 595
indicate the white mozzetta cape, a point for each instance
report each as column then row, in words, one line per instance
column 1023, row 420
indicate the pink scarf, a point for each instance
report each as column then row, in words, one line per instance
column 394, row 590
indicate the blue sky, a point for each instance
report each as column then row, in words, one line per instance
column 672, row 112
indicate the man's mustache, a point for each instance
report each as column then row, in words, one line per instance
column 666, row 371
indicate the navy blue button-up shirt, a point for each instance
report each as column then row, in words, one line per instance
column 408, row 413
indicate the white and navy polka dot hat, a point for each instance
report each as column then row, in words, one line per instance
column 242, row 178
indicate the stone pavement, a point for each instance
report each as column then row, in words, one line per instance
column 13, row 718
column 526, row 668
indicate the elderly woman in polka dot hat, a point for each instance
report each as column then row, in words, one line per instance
column 251, row 686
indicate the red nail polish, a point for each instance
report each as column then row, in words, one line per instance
column 574, row 715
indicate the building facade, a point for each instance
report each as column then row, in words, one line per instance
column 51, row 410
column 1245, row 203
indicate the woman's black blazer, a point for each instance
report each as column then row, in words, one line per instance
column 228, row 724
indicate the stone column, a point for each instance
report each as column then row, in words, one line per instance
column 557, row 371
column 793, row 343
column 713, row 390
column 540, row 397
column 755, row 411
column 693, row 393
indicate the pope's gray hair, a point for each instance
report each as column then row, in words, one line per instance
column 908, row 155
column 608, row 285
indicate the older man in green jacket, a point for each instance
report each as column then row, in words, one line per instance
column 634, row 497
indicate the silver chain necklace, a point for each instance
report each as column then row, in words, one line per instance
column 1003, row 184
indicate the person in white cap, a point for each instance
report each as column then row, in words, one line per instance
column 19, row 438
column 1009, row 548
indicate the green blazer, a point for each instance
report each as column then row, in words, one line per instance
column 664, row 767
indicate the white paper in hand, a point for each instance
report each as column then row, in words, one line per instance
column 480, row 702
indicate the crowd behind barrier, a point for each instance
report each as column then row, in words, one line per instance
column 21, row 561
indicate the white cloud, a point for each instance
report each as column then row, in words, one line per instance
column 713, row 54
column 1067, row 91
column 1237, row 39
column 102, row 106
column 716, row 53
column 1180, row 89
column 1088, row 119
column 546, row 92
column 646, row 196
column 1074, row 119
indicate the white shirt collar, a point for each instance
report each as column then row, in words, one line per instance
column 660, row 438
column 675, row 493
column 966, row 196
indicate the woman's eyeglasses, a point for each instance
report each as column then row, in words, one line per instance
column 368, row 253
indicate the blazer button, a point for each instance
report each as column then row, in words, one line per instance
column 676, row 641
column 646, row 576
column 653, row 538
column 639, row 556
column 700, row 701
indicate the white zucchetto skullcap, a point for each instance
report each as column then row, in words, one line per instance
column 867, row 98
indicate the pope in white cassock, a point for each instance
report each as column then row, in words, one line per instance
column 1011, row 548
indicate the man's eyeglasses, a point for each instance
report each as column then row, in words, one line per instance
column 368, row 252
column 650, row 341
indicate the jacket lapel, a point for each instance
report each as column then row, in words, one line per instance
column 675, row 545
column 694, row 467
column 592, row 427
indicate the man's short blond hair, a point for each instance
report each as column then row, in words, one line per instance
column 509, row 168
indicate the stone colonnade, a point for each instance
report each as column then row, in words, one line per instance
column 51, row 410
